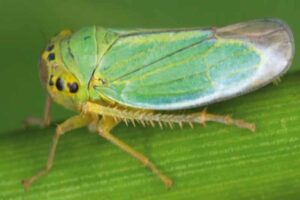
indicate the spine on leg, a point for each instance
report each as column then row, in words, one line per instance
column 145, row 117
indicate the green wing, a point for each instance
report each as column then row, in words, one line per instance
column 176, row 69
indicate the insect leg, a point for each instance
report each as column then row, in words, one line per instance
column 42, row 122
column 72, row 123
column 104, row 127
column 225, row 119
column 148, row 116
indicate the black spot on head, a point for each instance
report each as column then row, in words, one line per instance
column 51, row 81
column 51, row 56
column 59, row 84
column 73, row 87
column 50, row 48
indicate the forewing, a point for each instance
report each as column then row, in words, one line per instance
column 165, row 70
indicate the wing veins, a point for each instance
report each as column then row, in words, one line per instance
column 164, row 57
column 188, row 59
column 177, row 79
column 198, row 73
column 166, row 67
column 158, row 31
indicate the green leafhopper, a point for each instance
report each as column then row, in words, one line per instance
column 111, row 75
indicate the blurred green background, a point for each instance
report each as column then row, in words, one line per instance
column 215, row 162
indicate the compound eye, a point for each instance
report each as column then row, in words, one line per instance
column 59, row 84
column 73, row 87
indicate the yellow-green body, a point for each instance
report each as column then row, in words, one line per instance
column 111, row 75
column 167, row 69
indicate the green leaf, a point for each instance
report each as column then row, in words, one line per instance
column 214, row 162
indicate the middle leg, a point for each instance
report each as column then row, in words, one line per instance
column 104, row 127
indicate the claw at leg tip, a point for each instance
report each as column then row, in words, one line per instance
column 253, row 128
column 26, row 184
column 169, row 184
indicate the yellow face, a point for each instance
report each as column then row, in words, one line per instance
column 62, row 85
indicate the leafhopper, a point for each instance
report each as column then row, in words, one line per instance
column 110, row 76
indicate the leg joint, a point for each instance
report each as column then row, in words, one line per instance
column 48, row 167
column 102, row 132
column 228, row 120
column 59, row 130
column 146, row 162
column 203, row 117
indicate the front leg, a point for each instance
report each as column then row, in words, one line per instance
column 104, row 127
column 42, row 122
column 72, row 123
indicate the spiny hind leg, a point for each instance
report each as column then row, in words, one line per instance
column 159, row 118
column 72, row 123
column 104, row 127
column 42, row 122
column 225, row 119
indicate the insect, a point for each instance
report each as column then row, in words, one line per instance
column 111, row 75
